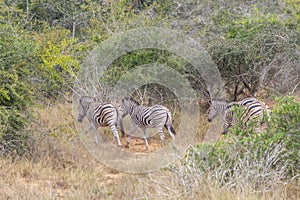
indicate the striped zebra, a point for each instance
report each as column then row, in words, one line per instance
column 99, row 114
column 253, row 108
column 156, row 116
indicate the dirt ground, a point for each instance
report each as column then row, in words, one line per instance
column 138, row 145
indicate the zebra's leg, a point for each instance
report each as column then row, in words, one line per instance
column 95, row 134
column 116, row 135
column 162, row 136
column 132, row 128
column 121, row 126
column 228, row 120
column 145, row 138
column 226, row 128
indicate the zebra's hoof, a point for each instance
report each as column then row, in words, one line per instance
column 127, row 146
column 120, row 146
column 162, row 144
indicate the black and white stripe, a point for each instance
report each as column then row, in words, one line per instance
column 156, row 116
column 253, row 108
column 99, row 114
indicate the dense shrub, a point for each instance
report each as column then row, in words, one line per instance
column 285, row 127
column 256, row 52
column 16, row 90
column 58, row 65
column 256, row 160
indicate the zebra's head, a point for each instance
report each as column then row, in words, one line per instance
column 217, row 106
column 127, row 105
column 83, row 105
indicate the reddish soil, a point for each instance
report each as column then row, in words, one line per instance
column 138, row 144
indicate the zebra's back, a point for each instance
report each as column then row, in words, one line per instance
column 102, row 114
column 99, row 114
column 252, row 109
column 150, row 117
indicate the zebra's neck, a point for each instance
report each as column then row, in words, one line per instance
column 133, row 107
column 86, row 107
column 223, row 106
column 222, row 111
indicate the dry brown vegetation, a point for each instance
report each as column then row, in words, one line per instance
column 61, row 168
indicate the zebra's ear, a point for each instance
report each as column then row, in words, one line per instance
column 79, row 101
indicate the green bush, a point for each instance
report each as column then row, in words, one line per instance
column 58, row 66
column 255, row 49
column 12, row 140
column 16, row 88
column 257, row 159
column 137, row 58
column 284, row 126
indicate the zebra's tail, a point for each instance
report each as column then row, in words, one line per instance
column 169, row 125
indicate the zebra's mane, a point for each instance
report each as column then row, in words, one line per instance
column 87, row 99
column 220, row 100
column 132, row 100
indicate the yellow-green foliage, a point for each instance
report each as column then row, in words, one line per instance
column 58, row 62
column 294, row 7
column 293, row 11
column 59, row 54
column 247, row 27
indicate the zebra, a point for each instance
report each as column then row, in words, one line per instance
column 253, row 109
column 156, row 116
column 100, row 114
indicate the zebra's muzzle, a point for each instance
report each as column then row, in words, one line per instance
column 208, row 119
column 79, row 119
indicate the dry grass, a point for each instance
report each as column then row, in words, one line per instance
column 61, row 168
column 43, row 180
